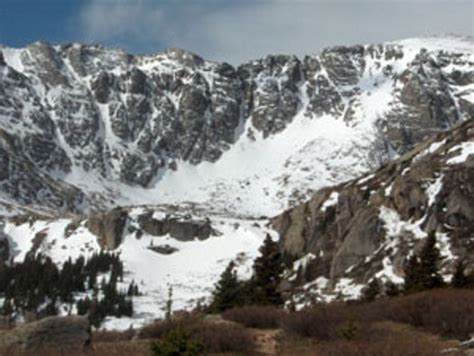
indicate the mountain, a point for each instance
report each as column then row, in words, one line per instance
column 86, row 128
column 364, row 229
column 178, row 163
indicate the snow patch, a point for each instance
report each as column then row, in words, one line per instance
column 433, row 189
column 466, row 149
column 331, row 201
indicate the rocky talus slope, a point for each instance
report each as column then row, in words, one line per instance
column 349, row 234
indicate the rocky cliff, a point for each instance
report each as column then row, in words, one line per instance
column 86, row 127
column 365, row 228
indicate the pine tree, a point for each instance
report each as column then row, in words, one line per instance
column 268, row 268
column 421, row 272
column 7, row 308
column 459, row 280
column 227, row 293
column 430, row 259
column 371, row 292
column 413, row 275
column 391, row 289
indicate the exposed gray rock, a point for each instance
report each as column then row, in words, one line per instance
column 344, row 65
column 274, row 100
column 426, row 104
column 101, row 87
column 108, row 227
column 163, row 249
column 70, row 333
column 182, row 228
column 109, row 115
column 350, row 238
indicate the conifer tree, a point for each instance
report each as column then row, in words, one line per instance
column 227, row 293
column 412, row 275
column 268, row 268
column 430, row 259
column 391, row 289
column 421, row 272
column 459, row 280
column 372, row 291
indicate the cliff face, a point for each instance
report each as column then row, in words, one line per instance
column 366, row 228
column 83, row 126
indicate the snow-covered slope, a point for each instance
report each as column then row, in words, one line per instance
column 252, row 140
column 154, row 262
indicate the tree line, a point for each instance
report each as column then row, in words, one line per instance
column 422, row 272
column 39, row 287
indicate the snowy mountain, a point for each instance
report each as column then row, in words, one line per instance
column 178, row 163
column 83, row 127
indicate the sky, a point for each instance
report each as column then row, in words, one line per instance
column 230, row 30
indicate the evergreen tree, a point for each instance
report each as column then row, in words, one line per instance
column 421, row 272
column 96, row 313
column 371, row 292
column 391, row 289
column 430, row 259
column 176, row 342
column 412, row 275
column 7, row 308
column 460, row 280
column 268, row 268
column 37, row 285
column 227, row 293
column 83, row 306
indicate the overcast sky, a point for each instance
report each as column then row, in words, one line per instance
column 230, row 30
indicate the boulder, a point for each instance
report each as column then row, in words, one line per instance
column 70, row 333
column 180, row 228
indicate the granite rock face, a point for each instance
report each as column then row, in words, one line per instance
column 365, row 228
column 182, row 228
column 108, row 227
column 85, row 115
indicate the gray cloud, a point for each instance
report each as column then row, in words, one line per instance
column 238, row 30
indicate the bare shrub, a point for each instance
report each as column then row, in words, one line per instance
column 156, row 329
column 323, row 322
column 112, row 335
column 50, row 350
column 448, row 312
column 393, row 345
column 159, row 328
column 263, row 317
column 214, row 337
column 222, row 337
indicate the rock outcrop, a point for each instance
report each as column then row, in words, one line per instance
column 67, row 334
column 365, row 228
column 78, row 115
column 182, row 228
column 108, row 227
